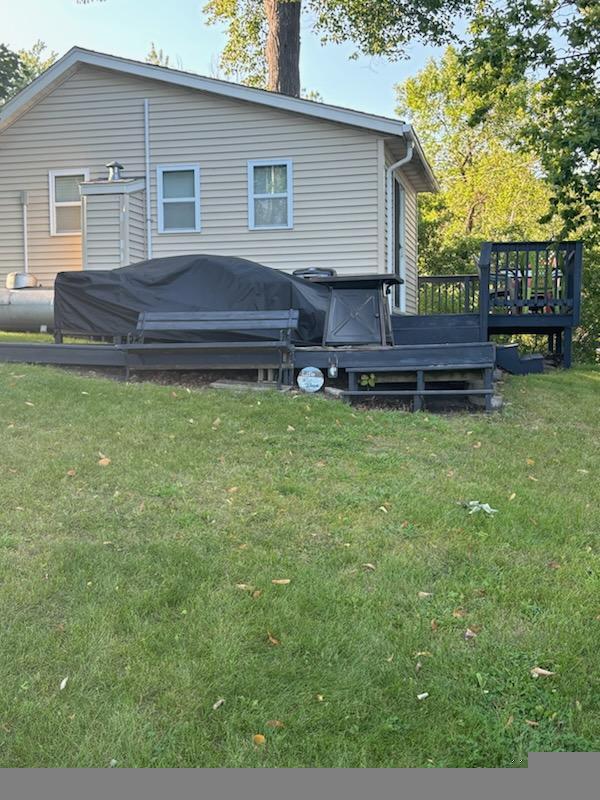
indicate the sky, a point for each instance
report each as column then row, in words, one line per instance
column 127, row 27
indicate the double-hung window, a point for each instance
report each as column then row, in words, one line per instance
column 65, row 200
column 270, row 194
column 178, row 190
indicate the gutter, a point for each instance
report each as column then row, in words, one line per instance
column 410, row 148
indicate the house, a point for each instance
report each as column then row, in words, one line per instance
column 208, row 167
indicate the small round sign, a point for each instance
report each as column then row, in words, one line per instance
column 310, row 379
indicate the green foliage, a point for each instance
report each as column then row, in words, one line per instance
column 368, row 380
column 375, row 27
column 490, row 189
column 9, row 73
column 555, row 43
column 157, row 57
column 33, row 62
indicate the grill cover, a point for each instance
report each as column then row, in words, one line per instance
column 107, row 302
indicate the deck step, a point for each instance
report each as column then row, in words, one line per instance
column 509, row 359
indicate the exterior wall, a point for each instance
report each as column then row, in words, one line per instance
column 96, row 115
column 137, row 227
column 411, row 222
column 102, row 237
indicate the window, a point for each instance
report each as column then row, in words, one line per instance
column 65, row 201
column 269, row 194
column 178, row 198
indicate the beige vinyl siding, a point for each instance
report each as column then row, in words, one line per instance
column 137, row 227
column 410, row 236
column 96, row 115
column 102, row 239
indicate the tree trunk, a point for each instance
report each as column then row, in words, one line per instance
column 283, row 46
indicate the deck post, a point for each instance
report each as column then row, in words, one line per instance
column 485, row 258
column 567, row 347
column 488, row 385
column 418, row 398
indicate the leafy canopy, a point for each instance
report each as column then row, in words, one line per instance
column 490, row 188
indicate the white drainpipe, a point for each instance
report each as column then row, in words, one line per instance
column 390, row 212
column 24, row 201
column 148, row 186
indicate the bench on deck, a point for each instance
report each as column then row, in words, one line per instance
column 275, row 351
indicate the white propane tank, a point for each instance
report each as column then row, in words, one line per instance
column 24, row 305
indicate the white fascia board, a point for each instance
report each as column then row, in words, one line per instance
column 127, row 186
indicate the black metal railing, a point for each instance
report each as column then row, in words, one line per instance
column 521, row 278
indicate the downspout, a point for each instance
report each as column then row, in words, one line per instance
column 390, row 211
column 24, row 201
column 148, row 185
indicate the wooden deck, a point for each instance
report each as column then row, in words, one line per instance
column 520, row 287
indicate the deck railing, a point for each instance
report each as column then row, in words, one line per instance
column 521, row 278
column 448, row 294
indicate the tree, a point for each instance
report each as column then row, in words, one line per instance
column 490, row 187
column 376, row 27
column 556, row 43
column 9, row 73
column 33, row 62
column 157, row 57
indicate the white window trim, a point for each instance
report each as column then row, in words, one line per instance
column 160, row 170
column 57, row 173
column 271, row 162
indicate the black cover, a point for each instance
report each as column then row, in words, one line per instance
column 107, row 302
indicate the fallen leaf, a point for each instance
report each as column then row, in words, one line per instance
column 275, row 723
column 540, row 672
column 280, row 581
column 530, row 462
column 405, row 524
column 290, row 429
column 319, row 698
column 63, row 683
column 477, row 445
column 459, row 613
column 469, row 634
column 509, row 721
column 256, row 594
column 104, row 461
column 512, row 497
column 553, row 565
column 532, row 723
column 434, row 625
column 450, row 473
column 28, row 403
column 258, row 740
column 244, row 587
column 113, row 763
column 423, row 696
column 532, row 478
column 320, row 464
column 272, row 639
column 369, row 567
column 219, row 703
column 71, row 473
column 216, row 423
column 383, row 508
column 583, row 471
column 233, row 489
column 390, row 659
column 424, row 653
column 423, row 595
column 418, row 667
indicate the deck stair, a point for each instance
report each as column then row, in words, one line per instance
column 510, row 360
column 441, row 370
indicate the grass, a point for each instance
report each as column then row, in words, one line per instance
column 123, row 577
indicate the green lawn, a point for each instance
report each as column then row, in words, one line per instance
column 124, row 577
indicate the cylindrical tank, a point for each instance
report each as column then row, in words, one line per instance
column 27, row 310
